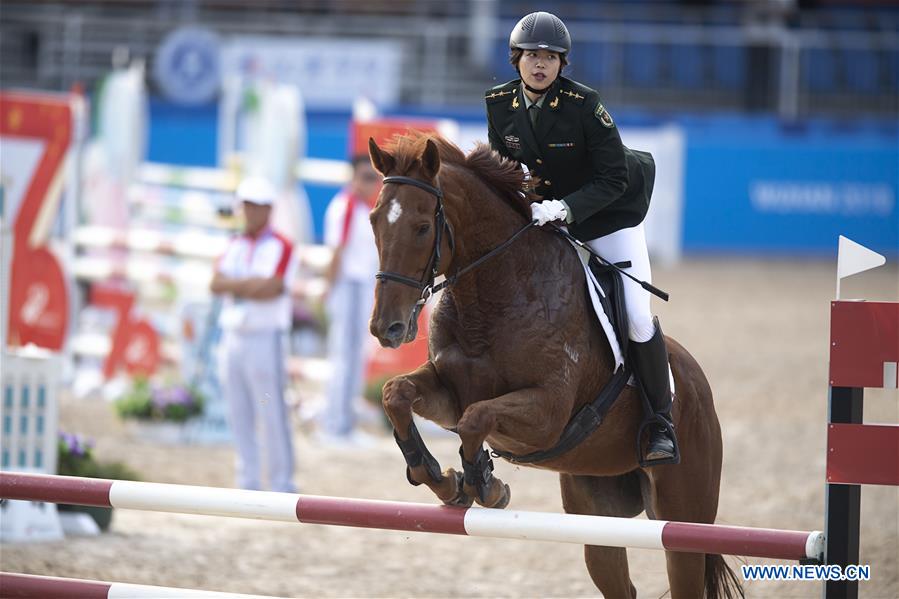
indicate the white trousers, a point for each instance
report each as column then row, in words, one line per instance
column 252, row 369
column 630, row 245
column 349, row 310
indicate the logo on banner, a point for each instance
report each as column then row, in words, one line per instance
column 187, row 65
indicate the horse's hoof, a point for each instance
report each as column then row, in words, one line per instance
column 461, row 499
column 504, row 500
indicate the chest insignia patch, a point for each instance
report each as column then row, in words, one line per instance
column 512, row 142
column 603, row 115
column 564, row 144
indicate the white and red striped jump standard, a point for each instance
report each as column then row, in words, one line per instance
column 416, row 517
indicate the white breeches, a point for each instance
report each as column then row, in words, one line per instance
column 630, row 245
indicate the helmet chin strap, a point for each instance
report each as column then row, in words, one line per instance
column 534, row 90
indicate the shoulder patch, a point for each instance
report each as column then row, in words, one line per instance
column 495, row 95
column 573, row 94
column 503, row 91
column 603, row 115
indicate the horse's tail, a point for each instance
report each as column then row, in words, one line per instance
column 721, row 581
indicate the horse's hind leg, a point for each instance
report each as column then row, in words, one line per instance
column 422, row 392
column 688, row 492
column 605, row 496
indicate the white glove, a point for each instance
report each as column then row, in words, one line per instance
column 548, row 211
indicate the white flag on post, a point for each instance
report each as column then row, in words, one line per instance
column 853, row 258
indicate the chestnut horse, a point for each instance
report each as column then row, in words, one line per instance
column 515, row 351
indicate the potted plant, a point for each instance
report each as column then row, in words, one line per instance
column 160, row 411
column 75, row 457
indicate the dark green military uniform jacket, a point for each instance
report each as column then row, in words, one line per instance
column 576, row 152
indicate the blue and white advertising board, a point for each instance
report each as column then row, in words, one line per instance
column 791, row 196
column 330, row 72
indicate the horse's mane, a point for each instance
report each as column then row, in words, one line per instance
column 505, row 177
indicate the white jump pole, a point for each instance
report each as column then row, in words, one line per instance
column 416, row 517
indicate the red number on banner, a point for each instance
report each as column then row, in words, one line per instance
column 38, row 302
column 135, row 343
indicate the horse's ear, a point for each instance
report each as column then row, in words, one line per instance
column 430, row 160
column 381, row 160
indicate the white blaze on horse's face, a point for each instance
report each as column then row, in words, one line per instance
column 395, row 212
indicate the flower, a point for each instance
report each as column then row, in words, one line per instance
column 174, row 402
column 75, row 446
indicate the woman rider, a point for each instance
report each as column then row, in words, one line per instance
column 589, row 180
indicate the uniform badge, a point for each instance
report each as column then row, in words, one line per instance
column 512, row 142
column 603, row 115
column 515, row 103
column 497, row 94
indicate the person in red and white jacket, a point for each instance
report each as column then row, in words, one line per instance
column 254, row 276
column 350, row 297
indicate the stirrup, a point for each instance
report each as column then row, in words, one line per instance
column 657, row 419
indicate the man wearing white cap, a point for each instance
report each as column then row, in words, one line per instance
column 254, row 275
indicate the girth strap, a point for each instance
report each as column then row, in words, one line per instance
column 581, row 426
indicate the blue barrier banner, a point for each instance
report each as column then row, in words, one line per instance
column 788, row 196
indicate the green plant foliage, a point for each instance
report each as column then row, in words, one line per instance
column 75, row 457
column 145, row 402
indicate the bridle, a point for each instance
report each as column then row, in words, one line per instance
column 426, row 283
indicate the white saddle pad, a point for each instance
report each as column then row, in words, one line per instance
column 594, row 289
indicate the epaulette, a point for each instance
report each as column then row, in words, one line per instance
column 503, row 91
column 573, row 91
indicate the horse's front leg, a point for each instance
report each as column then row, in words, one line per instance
column 528, row 415
column 422, row 392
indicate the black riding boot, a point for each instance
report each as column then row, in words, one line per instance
column 650, row 362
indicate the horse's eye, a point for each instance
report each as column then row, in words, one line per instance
column 423, row 230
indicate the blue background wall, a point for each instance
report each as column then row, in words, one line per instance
column 835, row 177
column 752, row 187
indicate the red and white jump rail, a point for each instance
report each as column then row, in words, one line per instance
column 416, row 517
column 864, row 352
column 29, row 586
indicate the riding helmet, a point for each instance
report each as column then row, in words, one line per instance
column 540, row 31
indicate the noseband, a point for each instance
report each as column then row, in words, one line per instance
column 426, row 283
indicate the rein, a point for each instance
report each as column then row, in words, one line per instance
column 426, row 283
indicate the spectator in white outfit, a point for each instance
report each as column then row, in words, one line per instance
column 254, row 276
column 351, row 278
